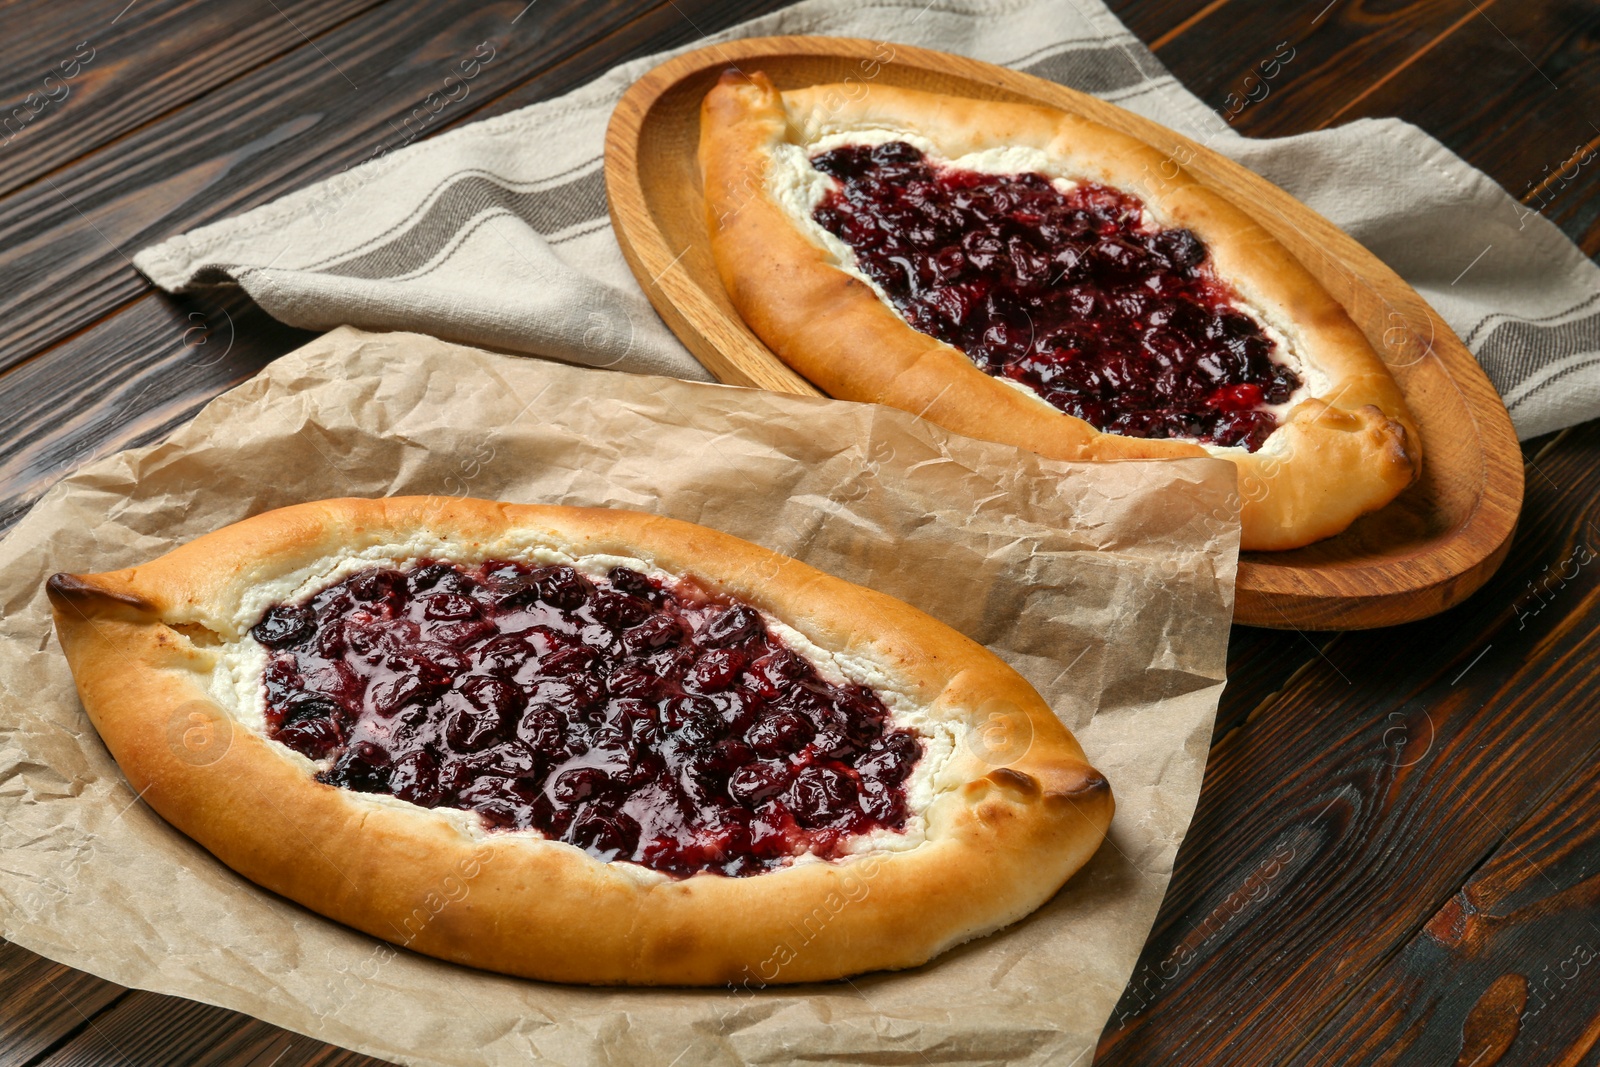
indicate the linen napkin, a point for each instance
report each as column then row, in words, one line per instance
column 496, row 233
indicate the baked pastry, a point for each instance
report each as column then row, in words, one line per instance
column 580, row 745
column 1027, row 276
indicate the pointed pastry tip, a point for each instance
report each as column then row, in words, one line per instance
column 81, row 591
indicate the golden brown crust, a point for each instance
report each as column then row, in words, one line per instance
column 1003, row 832
column 1348, row 451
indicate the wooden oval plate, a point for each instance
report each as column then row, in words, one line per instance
column 1429, row 549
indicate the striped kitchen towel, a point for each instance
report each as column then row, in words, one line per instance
column 496, row 233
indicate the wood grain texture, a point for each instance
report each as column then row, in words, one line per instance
column 1536, row 118
column 1512, row 86
column 146, row 1028
column 1340, row 51
column 158, row 363
column 153, row 56
column 1262, row 665
column 65, row 241
column 1335, row 824
column 1426, row 551
column 44, row 1003
column 670, row 25
column 1521, row 941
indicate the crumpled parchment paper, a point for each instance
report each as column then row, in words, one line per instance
column 1110, row 587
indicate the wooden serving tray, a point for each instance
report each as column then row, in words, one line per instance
column 1428, row 550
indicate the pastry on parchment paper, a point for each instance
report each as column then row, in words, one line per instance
column 580, row 745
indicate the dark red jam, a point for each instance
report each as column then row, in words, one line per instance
column 1120, row 324
column 655, row 724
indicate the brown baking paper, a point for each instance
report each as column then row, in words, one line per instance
column 1110, row 587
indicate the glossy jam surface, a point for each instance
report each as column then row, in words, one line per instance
column 1068, row 293
column 644, row 722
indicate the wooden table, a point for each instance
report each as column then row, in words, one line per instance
column 1392, row 856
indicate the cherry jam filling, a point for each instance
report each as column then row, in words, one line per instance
column 1068, row 293
column 655, row 724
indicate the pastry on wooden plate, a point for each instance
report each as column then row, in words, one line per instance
column 1024, row 275
column 580, row 745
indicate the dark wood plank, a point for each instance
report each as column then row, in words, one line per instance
column 130, row 379
column 1338, row 50
column 1534, row 115
column 145, row 1028
column 1344, row 816
column 1521, row 944
column 1534, row 96
column 79, row 78
column 65, row 240
column 671, row 26
column 1262, row 664
column 44, row 1002
column 1158, row 22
